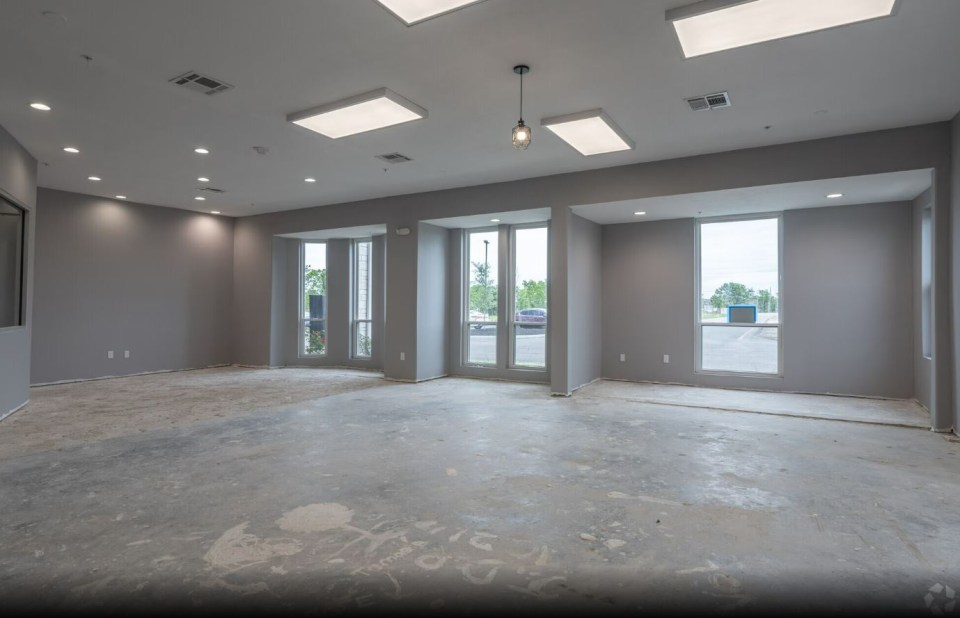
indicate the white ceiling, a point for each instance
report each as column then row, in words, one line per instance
column 872, row 189
column 137, row 131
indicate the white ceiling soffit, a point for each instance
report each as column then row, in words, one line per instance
column 364, row 231
column 138, row 131
column 872, row 189
column 516, row 217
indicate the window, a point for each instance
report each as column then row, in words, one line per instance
column 529, row 324
column 738, row 280
column 362, row 299
column 11, row 264
column 313, row 299
column 482, row 296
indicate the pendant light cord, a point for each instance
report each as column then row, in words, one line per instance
column 521, row 96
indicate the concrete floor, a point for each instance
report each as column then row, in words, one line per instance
column 462, row 496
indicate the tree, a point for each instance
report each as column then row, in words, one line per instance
column 766, row 302
column 531, row 294
column 483, row 292
column 315, row 282
column 731, row 294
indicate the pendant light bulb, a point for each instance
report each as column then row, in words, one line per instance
column 522, row 135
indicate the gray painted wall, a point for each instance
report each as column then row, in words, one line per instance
column 115, row 275
column 922, row 366
column 955, row 244
column 432, row 280
column 585, row 291
column 847, row 302
column 18, row 183
column 401, row 313
column 920, row 147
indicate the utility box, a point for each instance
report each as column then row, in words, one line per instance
column 742, row 314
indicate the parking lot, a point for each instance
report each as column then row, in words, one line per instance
column 530, row 345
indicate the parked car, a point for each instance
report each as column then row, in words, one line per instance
column 531, row 317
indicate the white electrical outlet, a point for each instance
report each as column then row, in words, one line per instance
column 623, row 358
column 109, row 353
column 126, row 353
column 403, row 356
column 666, row 358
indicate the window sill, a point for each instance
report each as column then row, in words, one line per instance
column 738, row 374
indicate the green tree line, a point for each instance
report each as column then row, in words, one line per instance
column 739, row 294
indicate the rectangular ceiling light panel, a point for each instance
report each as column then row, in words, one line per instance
column 715, row 25
column 590, row 133
column 413, row 12
column 366, row 112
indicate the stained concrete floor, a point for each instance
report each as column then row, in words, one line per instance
column 464, row 496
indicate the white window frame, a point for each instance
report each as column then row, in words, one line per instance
column 302, row 321
column 356, row 322
column 467, row 322
column 698, row 305
column 511, row 301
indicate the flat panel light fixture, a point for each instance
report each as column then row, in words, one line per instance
column 715, row 25
column 590, row 133
column 413, row 12
column 366, row 112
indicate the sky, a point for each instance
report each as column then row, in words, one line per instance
column 739, row 252
column 315, row 255
column 531, row 253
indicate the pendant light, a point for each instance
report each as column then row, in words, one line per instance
column 522, row 135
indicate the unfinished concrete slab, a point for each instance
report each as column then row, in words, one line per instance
column 64, row 414
column 900, row 412
column 460, row 496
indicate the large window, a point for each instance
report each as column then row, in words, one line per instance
column 529, row 324
column 738, row 313
column 362, row 299
column 482, row 296
column 11, row 265
column 506, row 321
column 313, row 299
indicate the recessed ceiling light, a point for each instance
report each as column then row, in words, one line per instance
column 120, row 197
column 201, row 151
column 640, row 213
column 214, row 212
column 43, row 107
column 495, row 220
column 708, row 27
column 200, row 198
column 94, row 178
column 590, row 133
column 366, row 112
column 203, row 179
column 71, row 150
column 413, row 12
column 833, row 196
column 309, row 180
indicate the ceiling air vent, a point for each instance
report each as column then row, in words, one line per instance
column 710, row 101
column 211, row 189
column 394, row 157
column 201, row 83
